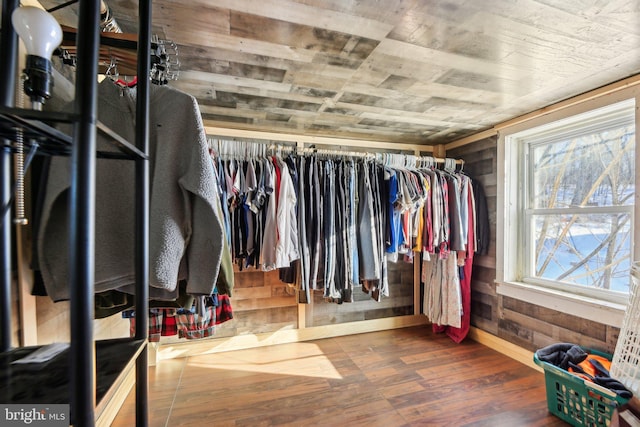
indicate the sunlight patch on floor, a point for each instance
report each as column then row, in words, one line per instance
column 299, row 359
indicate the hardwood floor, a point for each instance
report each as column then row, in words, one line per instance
column 403, row 377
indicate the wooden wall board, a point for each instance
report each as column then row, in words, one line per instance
column 539, row 328
column 484, row 275
column 53, row 323
column 383, row 313
column 261, row 303
column 512, row 332
column 485, row 308
column 542, row 315
column 399, row 303
column 483, row 288
column 487, row 326
column 482, row 307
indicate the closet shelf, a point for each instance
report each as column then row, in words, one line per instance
column 51, row 141
column 129, row 150
column 34, row 127
column 117, row 40
column 114, row 358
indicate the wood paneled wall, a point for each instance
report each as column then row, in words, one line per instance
column 53, row 323
column 519, row 322
column 262, row 304
column 398, row 303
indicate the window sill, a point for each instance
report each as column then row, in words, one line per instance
column 605, row 312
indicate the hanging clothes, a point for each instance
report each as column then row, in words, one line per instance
column 368, row 245
column 186, row 239
column 315, row 219
column 458, row 334
column 345, row 218
column 268, row 258
column 329, row 231
column 447, row 264
column 482, row 231
column 287, row 249
column 303, row 242
column 261, row 209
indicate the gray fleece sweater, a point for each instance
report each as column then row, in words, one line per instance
column 186, row 233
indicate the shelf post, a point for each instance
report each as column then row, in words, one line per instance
column 8, row 58
column 82, row 218
column 142, row 210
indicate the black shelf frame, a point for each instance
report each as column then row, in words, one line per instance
column 82, row 355
column 51, row 141
column 113, row 357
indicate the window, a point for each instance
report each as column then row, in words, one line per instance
column 574, row 203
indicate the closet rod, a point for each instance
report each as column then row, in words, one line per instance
column 273, row 146
column 443, row 160
column 336, row 152
column 243, row 149
column 413, row 158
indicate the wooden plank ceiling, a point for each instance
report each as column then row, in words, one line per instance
column 412, row 71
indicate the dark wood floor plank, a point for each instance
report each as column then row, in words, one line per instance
column 400, row 378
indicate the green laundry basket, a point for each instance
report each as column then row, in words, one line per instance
column 576, row 401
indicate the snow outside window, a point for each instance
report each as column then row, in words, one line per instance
column 575, row 203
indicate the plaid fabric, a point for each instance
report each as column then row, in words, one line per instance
column 184, row 323
column 169, row 324
column 162, row 322
column 224, row 311
column 155, row 325
column 194, row 326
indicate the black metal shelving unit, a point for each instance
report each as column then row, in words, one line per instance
column 85, row 378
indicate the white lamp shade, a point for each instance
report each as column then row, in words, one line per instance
column 39, row 31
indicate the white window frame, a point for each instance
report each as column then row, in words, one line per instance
column 593, row 304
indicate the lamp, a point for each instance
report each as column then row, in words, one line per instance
column 41, row 34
